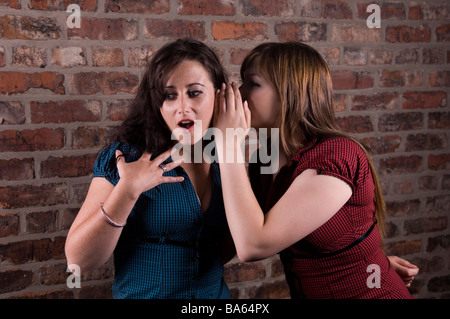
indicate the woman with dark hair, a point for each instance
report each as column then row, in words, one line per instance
column 323, row 209
column 163, row 220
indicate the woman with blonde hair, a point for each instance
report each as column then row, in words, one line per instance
column 323, row 209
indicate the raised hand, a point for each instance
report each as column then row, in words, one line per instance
column 232, row 118
column 144, row 174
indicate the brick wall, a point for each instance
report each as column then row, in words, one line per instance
column 63, row 90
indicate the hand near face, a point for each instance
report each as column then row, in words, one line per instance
column 144, row 174
column 232, row 117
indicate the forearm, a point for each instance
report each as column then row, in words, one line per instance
column 244, row 215
column 92, row 239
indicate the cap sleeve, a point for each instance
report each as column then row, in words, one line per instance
column 105, row 164
column 338, row 157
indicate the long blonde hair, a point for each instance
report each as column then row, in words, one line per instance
column 302, row 80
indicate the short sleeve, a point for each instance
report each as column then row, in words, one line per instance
column 338, row 157
column 105, row 164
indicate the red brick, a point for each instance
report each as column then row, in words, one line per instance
column 400, row 122
column 16, row 169
column 89, row 137
column 65, row 111
column 437, row 204
column 355, row 124
column 229, row 30
column 336, row 9
column 61, row 5
column 33, row 195
column 380, row 56
column 378, row 101
column 443, row 33
column 244, row 272
column 68, row 166
column 31, row 140
column 67, row 57
column 383, row 145
column 33, row 250
column 2, row 57
column 407, row 56
column 355, row 56
column 388, row 10
column 403, row 208
column 353, row 34
column 301, row 31
column 107, row 56
column 403, row 78
column 402, row 248
column 105, row 29
column 90, row 83
column 439, row 79
column 433, row 56
column 346, row 80
column 406, row 34
column 12, row 113
column 117, row 110
column 9, row 225
column 28, row 28
column 141, row 7
column 439, row 162
column 15, row 280
column 139, row 57
column 438, row 120
column 419, row 142
column 270, row 8
column 270, row 290
column 18, row 82
column 14, row 4
column 41, row 222
column 237, row 55
column 424, row 100
column 206, row 7
column 429, row 11
column 438, row 242
column 402, row 164
column 29, row 56
column 428, row 183
column 425, row 225
column 174, row 29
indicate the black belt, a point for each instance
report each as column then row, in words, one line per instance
column 289, row 254
column 196, row 244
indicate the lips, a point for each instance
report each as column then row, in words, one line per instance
column 186, row 124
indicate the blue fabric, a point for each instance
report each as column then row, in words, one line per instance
column 168, row 212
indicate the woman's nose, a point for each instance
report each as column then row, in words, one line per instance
column 184, row 105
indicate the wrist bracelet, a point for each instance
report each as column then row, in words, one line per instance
column 109, row 219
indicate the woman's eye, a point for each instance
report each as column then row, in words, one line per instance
column 194, row 93
column 170, row 96
column 254, row 84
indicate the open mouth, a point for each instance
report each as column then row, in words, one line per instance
column 186, row 124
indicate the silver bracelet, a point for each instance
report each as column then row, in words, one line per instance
column 109, row 219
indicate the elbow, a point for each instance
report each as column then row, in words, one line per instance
column 249, row 253
column 76, row 263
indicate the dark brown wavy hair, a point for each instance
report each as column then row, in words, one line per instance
column 303, row 83
column 144, row 126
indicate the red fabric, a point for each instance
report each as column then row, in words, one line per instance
column 343, row 275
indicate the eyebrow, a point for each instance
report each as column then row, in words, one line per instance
column 188, row 85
